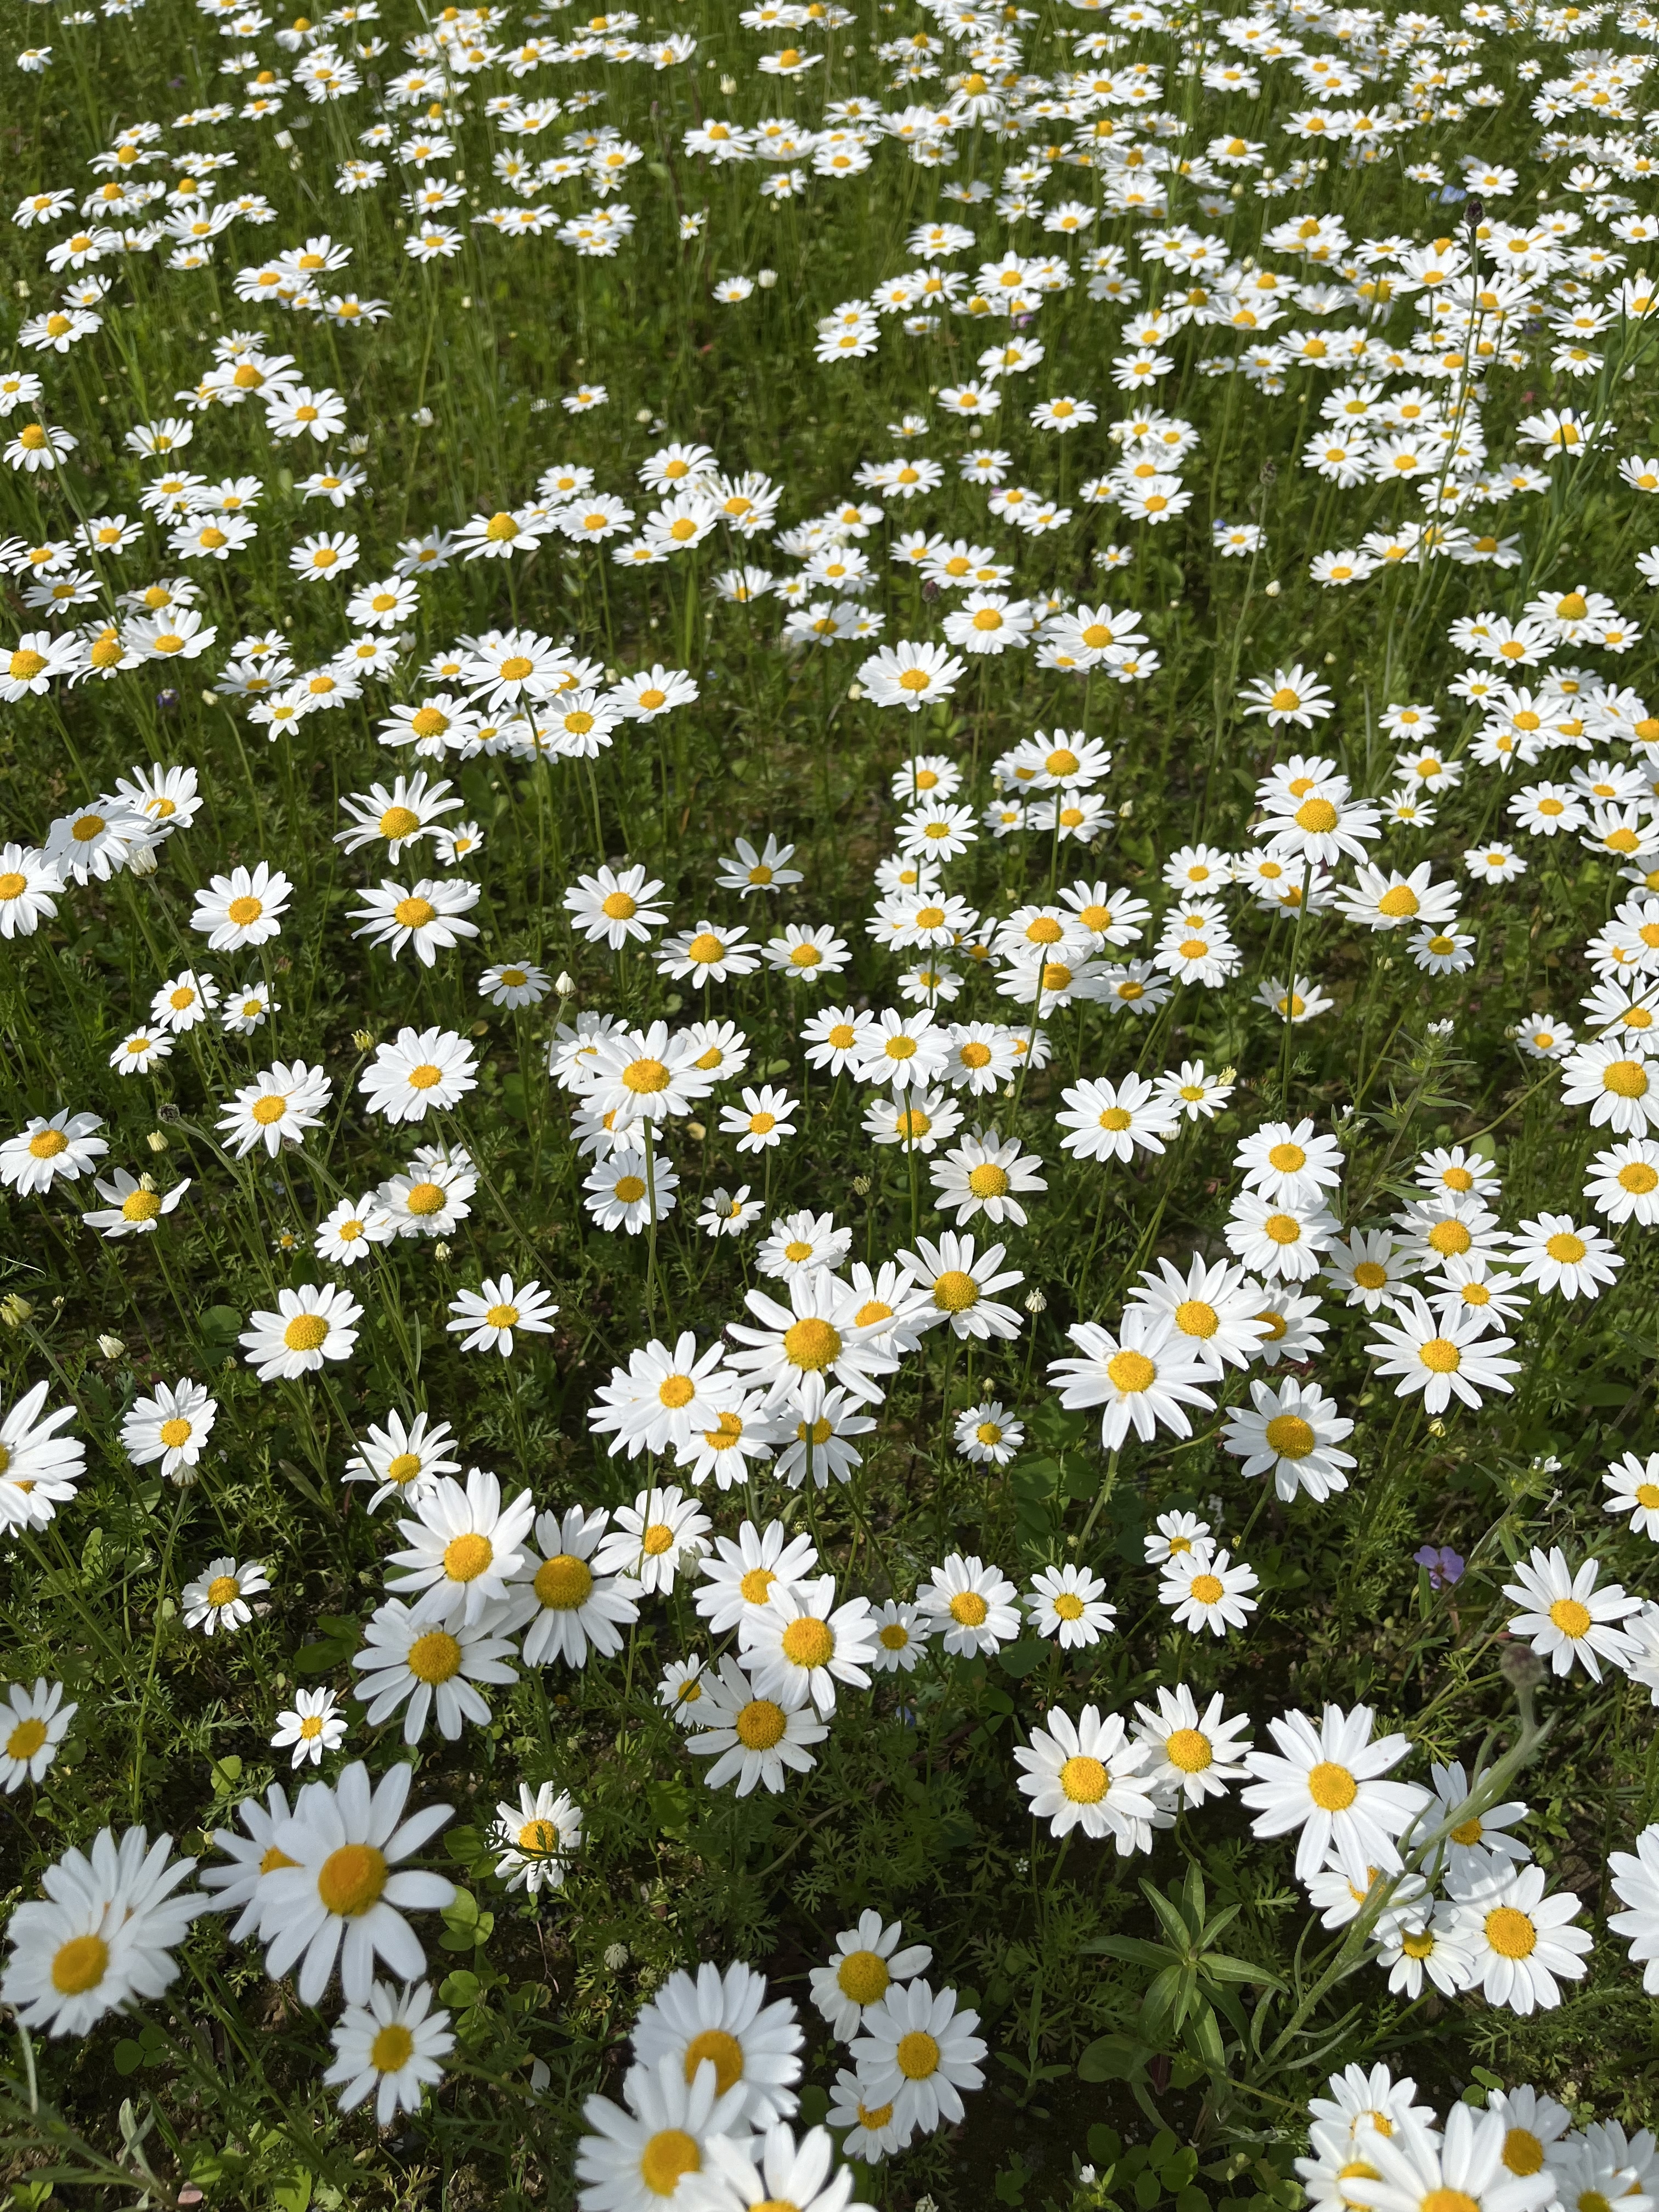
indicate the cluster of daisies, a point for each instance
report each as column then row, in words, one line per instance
column 710, row 2091
column 1374, row 2146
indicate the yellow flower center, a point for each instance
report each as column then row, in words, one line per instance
column 955, row 1292
column 809, row 1642
column 969, row 1609
column 79, row 1965
column 1332, row 1788
column 1085, row 1780
column 467, row 1556
column 1291, row 1437
column 244, row 911
column 1189, row 1748
column 306, row 1332
column 811, row 1345
column 1131, row 1372
column 917, row 2055
column 670, row 2154
column 563, row 1583
column 1511, row 1934
column 761, row 1725
column 645, row 1078
column 350, row 1880
column 48, row 1144
column 1572, row 1618
column 435, row 1657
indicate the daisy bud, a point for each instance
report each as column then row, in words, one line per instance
column 14, row 1310
column 110, row 1346
column 1521, row 1667
column 766, row 278
column 696, row 1129
column 157, row 1140
column 615, row 1954
column 1035, row 1303
column 143, row 859
column 362, row 1039
column 565, row 984
column 1272, row 590
column 728, row 86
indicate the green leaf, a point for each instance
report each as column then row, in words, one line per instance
column 293, row 2195
column 129, row 2056
column 670, row 1805
column 1113, row 2058
column 460, row 1989
column 1022, row 1658
column 1223, row 1968
column 1132, row 1948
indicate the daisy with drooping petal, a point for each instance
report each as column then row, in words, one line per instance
column 640, row 2152
column 463, row 1549
column 420, row 1665
column 651, row 1539
column 566, row 1609
column 1292, row 1433
column 403, row 1459
column 1068, row 1603
column 1194, row 1754
column 1326, row 1784
column 752, row 1738
column 390, row 2048
column 863, row 1964
column 103, row 1934
column 1205, row 1590
column 312, row 1726
column 339, row 1889
column 972, row 1605
column 1566, row 1619
column 218, row 1598
column 485, row 1319
column 1524, row 1944
column 1442, row 1357
column 918, row 2053
column 1087, row 1774
column 32, row 1725
column 65, row 1146
column 1145, row 1377
column 315, row 1323
column 960, row 1285
column 538, row 1834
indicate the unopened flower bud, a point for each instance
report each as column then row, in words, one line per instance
column 143, row 859
column 363, row 1039
column 16, row 1310
column 110, row 1346
column 157, row 1140
column 696, row 1129
column 1521, row 1666
column 565, row 984
column 1035, row 1303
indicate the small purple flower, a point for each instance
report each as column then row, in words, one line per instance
column 1444, row 1566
